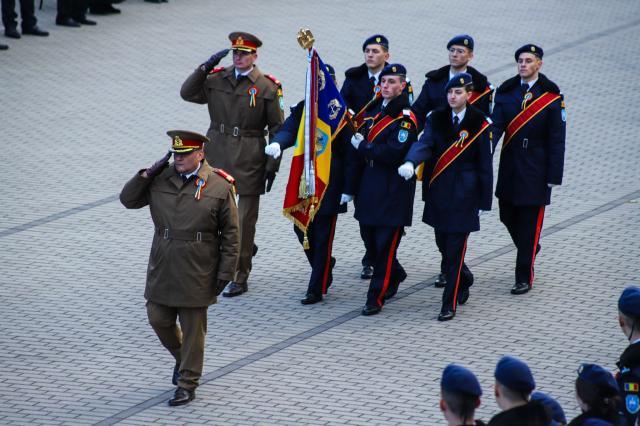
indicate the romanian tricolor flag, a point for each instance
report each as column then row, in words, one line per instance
column 324, row 111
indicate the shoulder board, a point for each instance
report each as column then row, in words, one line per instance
column 272, row 78
column 216, row 70
column 438, row 74
column 479, row 80
column 509, row 84
column 225, row 175
column 408, row 118
column 548, row 85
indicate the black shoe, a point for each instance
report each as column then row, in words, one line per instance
column 446, row 316
column 367, row 272
column 441, row 281
column 85, row 21
column 67, row 22
column 255, row 251
column 4, row 47
column 153, row 1
column 538, row 248
column 35, row 31
column 182, row 396
column 370, row 310
column 520, row 288
column 235, row 289
column 176, row 374
column 464, row 296
column 11, row 33
column 104, row 10
column 310, row 299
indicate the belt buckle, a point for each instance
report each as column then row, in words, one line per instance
column 198, row 236
column 525, row 143
column 221, row 127
column 166, row 233
column 236, row 131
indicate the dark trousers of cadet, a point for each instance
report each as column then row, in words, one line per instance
column 320, row 235
column 76, row 9
column 453, row 247
column 387, row 271
column 248, row 206
column 369, row 242
column 186, row 342
column 27, row 14
column 524, row 224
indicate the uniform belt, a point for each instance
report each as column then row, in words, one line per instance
column 236, row 131
column 172, row 234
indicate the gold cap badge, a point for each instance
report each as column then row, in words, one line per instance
column 177, row 141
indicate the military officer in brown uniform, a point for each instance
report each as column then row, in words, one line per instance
column 194, row 251
column 244, row 105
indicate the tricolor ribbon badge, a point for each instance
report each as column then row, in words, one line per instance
column 527, row 98
column 462, row 136
column 200, row 184
column 253, row 91
column 631, row 387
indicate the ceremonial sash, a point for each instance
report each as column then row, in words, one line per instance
column 454, row 151
column 475, row 96
column 377, row 128
column 527, row 114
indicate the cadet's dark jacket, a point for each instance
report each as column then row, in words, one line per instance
column 530, row 414
column 385, row 198
column 463, row 188
column 588, row 419
column 433, row 95
column 629, row 365
column 535, row 155
column 357, row 89
column 342, row 159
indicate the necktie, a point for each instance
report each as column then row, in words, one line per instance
column 525, row 87
column 185, row 179
column 456, row 123
column 372, row 80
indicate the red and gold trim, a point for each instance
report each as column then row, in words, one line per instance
column 180, row 145
column 455, row 290
column 527, row 114
column 327, row 265
column 536, row 239
column 389, row 266
column 241, row 43
column 475, row 96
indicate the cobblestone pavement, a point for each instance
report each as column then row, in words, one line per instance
column 82, row 110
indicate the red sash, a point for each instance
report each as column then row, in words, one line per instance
column 527, row 114
column 475, row 96
column 377, row 128
column 454, row 151
column 358, row 119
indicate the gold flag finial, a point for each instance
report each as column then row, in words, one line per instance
column 305, row 38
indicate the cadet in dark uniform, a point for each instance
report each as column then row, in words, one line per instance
column 629, row 363
column 530, row 111
column 552, row 406
column 385, row 200
column 434, row 95
column 513, row 387
column 598, row 398
column 194, row 251
column 322, row 229
column 460, row 394
column 361, row 85
column 458, row 183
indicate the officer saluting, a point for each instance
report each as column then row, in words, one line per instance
column 385, row 200
column 243, row 104
column 529, row 109
column 629, row 363
column 434, row 94
column 194, row 251
column 458, row 182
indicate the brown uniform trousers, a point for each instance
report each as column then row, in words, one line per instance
column 242, row 111
column 195, row 244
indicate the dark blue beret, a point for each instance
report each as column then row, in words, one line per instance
column 376, row 39
column 461, row 40
column 629, row 302
column 460, row 380
column 530, row 48
column 331, row 70
column 600, row 378
column 557, row 413
column 514, row 374
column 462, row 79
column 393, row 69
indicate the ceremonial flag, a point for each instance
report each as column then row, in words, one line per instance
column 323, row 114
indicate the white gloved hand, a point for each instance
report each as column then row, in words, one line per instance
column 407, row 170
column 273, row 149
column 345, row 198
column 356, row 139
column 551, row 185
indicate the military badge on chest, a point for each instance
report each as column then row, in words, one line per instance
column 200, row 184
column 252, row 91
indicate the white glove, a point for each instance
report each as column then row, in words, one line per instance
column 356, row 139
column 345, row 198
column 407, row 170
column 551, row 185
column 273, row 149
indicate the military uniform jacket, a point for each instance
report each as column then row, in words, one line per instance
column 434, row 96
column 466, row 185
column 357, row 89
column 535, row 155
column 629, row 382
column 183, row 266
column 342, row 159
column 237, row 130
column 589, row 419
column 530, row 414
column 385, row 198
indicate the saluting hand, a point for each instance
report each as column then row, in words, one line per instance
column 407, row 170
column 214, row 60
column 157, row 167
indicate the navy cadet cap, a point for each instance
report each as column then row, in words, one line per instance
column 629, row 302
column 458, row 379
column 376, row 39
column 530, row 48
column 393, row 69
column 514, row 374
column 462, row 79
column 461, row 40
column 600, row 378
column 557, row 413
